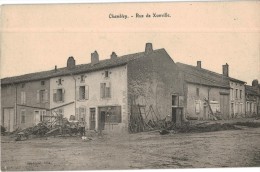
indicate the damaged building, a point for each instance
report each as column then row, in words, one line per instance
column 108, row 94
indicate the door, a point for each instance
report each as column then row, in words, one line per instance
column 9, row 119
column 174, row 114
column 37, row 116
column 224, row 105
column 102, row 120
column 92, row 118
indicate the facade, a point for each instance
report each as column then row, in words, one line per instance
column 206, row 92
column 252, row 99
column 24, row 103
column 237, row 94
column 102, row 93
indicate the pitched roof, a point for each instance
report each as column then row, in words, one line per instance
column 202, row 76
column 82, row 68
column 251, row 90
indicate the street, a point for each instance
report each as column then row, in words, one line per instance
column 230, row 148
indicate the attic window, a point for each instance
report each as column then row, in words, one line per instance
column 23, row 85
column 106, row 73
column 197, row 91
column 42, row 82
column 59, row 81
column 82, row 78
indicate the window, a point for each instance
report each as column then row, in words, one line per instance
column 236, row 92
column 58, row 95
column 112, row 114
column 42, row 96
column 82, row 78
column 174, row 100
column 106, row 73
column 42, row 115
column 197, row 106
column 232, row 94
column 23, row 116
column 82, row 92
column 197, row 91
column 105, row 90
column 23, row 85
column 240, row 94
column 59, row 81
column 42, row 82
column 23, row 97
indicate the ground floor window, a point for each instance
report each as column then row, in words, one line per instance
column 23, row 116
column 111, row 114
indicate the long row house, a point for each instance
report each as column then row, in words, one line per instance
column 105, row 93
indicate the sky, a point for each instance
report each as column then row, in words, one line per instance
column 38, row 37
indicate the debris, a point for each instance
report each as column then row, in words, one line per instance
column 163, row 132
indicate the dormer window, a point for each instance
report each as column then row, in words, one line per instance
column 106, row 73
column 42, row 82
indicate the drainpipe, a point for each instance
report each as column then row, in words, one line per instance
column 75, row 93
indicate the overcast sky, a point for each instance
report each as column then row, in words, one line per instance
column 38, row 37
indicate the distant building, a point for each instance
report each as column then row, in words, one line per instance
column 253, row 99
column 204, row 89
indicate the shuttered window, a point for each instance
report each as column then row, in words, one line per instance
column 105, row 90
column 82, row 92
column 42, row 96
column 58, row 95
column 23, row 97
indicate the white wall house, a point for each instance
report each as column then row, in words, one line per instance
column 99, row 97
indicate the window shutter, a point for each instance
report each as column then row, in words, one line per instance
column 86, row 92
column 21, row 97
column 24, row 97
column 63, row 94
column 77, row 93
column 38, row 96
column 102, row 90
column 55, row 95
column 46, row 95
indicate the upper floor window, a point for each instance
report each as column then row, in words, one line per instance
column 232, row 93
column 197, row 91
column 106, row 73
column 42, row 96
column 82, row 92
column 240, row 94
column 42, row 82
column 23, row 85
column 236, row 93
column 82, row 78
column 58, row 95
column 59, row 81
column 23, row 97
column 105, row 90
column 174, row 100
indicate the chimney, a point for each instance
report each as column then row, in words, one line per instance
column 71, row 62
column 113, row 55
column 148, row 48
column 199, row 64
column 255, row 83
column 225, row 70
column 94, row 58
column 55, row 68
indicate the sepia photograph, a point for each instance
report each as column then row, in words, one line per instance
column 130, row 85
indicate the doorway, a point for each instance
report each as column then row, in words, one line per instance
column 102, row 120
column 92, row 119
column 9, row 119
column 174, row 114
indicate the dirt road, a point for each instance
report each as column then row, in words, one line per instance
column 233, row 148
